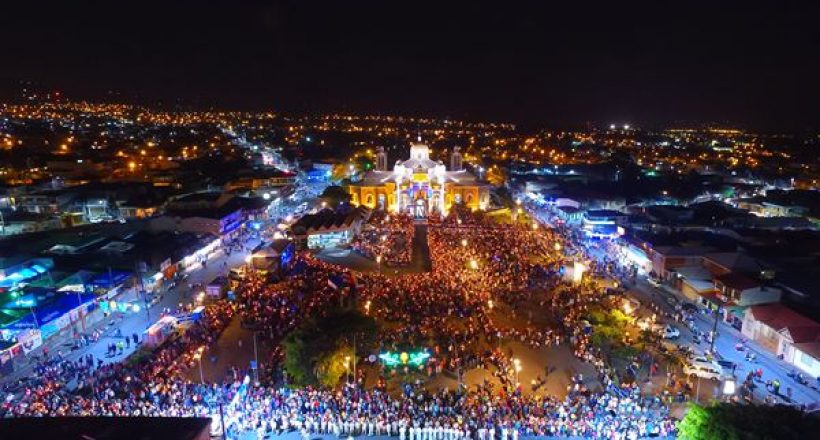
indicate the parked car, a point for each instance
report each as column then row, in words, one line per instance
column 710, row 371
column 653, row 282
column 670, row 332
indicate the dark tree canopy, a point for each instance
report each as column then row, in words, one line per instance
column 314, row 352
column 731, row 421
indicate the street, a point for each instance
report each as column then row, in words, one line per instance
column 728, row 338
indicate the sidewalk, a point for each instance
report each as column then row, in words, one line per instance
column 773, row 368
column 129, row 323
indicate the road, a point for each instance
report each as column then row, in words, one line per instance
column 727, row 339
column 134, row 323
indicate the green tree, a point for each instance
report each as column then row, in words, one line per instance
column 732, row 421
column 315, row 352
column 608, row 327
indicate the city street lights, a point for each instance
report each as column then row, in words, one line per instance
column 463, row 242
column 517, row 366
column 557, row 247
column 729, row 388
column 473, row 264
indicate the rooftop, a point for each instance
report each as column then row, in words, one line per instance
column 779, row 317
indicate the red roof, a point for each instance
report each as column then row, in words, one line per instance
column 737, row 281
column 779, row 317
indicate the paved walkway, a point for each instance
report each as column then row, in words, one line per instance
column 420, row 259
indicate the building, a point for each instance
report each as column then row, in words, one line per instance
column 785, row 332
column 215, row 213
column 22, row 222
column 328, row 228
column 602, row 223
column 419, row 185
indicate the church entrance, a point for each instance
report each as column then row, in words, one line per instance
column 420, row 208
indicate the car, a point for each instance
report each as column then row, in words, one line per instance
column 701, row 370
column 670, row 332
column 653, row 282
column 689, row 307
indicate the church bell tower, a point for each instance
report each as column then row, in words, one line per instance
column 381, row 159
column 455, row 159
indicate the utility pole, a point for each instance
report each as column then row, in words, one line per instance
column 355, row 378
column 256, row 357
column 222, row 418
column 714, row 331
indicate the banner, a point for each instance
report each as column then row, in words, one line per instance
column 29, row 340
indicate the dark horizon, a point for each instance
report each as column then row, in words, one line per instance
column 535, row 65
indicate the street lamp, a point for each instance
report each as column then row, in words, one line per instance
column 473, row 264
column 198, row 357
column 463, row 242
column 517, row 364
column 729, row 387
column 557, row 247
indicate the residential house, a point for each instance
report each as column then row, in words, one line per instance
column 785, row 333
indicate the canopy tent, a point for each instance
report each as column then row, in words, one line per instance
column 13, row 279
column 47, row 311
column 110, row 278
column 8, row 316
column 76, row 282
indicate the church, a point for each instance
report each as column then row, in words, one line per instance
column 419, row 185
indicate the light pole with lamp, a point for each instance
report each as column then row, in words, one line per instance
column 517, row 364
column 256, row 358
column 198, row 357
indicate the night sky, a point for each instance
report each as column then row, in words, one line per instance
column 757, row 66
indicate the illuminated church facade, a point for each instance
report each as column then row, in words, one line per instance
column 419, row 185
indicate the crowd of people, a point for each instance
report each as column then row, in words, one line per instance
column 478, row 265
column 388, row 237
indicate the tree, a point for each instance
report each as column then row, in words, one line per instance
column 608, row 327
column 335, row 195
column 315, row 352
column 732, row 421
column 339, row 171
